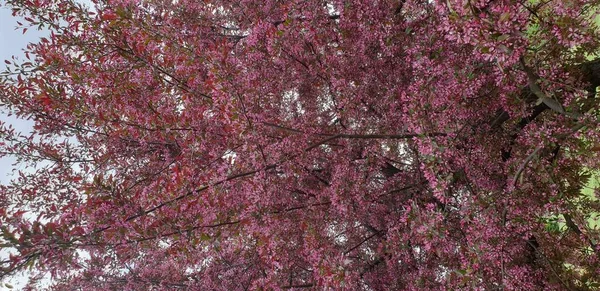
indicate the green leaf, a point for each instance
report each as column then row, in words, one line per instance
column 204, row 237
column 503, row 37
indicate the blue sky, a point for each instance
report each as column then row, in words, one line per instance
column 12, row 43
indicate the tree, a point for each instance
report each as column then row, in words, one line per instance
column 359, row 145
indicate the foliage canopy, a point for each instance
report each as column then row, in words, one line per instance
column 359, row 145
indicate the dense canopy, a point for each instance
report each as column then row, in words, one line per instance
column 320, row 144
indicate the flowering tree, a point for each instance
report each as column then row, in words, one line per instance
column 359, row 145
